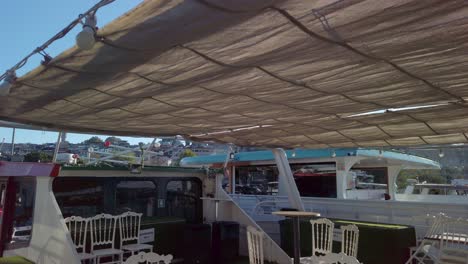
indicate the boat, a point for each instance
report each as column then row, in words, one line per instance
column 369, row 174
column 334, row 190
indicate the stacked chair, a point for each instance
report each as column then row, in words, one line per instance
column 334, row 258
column 103, row 228
column 322, row 240
column 350, row 239
column 130, row 232
column 79, row 228
column 148, row 258
column 255, row 245
column 446, row 241
column 102, row 231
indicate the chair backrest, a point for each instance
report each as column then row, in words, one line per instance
column 335, row 258
column 454, row 235
column 148, row 258
column 350, row 240
column 78, row 228
column 129, row 227
column 322, row 236
column 103, row 228
column 437, row 223
column 255, row 245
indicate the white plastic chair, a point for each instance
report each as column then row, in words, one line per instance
column 427, row 248
column 103, row 237
column 78, row 228
column 350, row 240
column 334, row 258
column 255, row 245
column 148, row 258
column 454, row 241
column 130, row 231
column 322, row 236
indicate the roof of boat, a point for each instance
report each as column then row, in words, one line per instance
column 314, row 154
column 37, row 169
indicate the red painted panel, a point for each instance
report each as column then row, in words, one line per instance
column 34, row 169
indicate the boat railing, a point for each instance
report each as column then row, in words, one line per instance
column 259, row 207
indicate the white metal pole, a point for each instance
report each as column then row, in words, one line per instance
column 233, row 182
column 57, row 147
column 146, row 151
column 13, row 142
column 286, row 179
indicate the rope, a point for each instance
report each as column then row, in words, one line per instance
column 59, row 35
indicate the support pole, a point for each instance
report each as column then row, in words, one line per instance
column 13, row 142
column 286, row 179
column 57, row 147
column 392, row 173
column 343, row 166
column 143, row 155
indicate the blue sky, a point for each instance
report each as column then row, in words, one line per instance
column 27, row 24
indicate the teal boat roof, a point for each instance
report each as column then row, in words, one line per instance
column 297, row 154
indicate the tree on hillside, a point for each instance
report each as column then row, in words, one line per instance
column 184, row 154
column 117, row 141
column 93, row 140
column 37, row 157
column 129, row 157
column 444, row 175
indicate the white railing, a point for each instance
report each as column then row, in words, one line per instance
column 259, row 207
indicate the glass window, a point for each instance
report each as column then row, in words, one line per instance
column 78, row 196
column 89, row 196
column 369, row 178
column 183, row 200
column 316, row 179
column 24, row 209
column 313, row 180
column 259, row 180
column 137, row 196
column 2, row 199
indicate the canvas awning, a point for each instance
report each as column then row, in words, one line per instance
column 295, row 73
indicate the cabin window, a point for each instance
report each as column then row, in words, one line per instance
column 78, row 196
column 137, row 196
column 151, row 196
column 313, row 180
column 183, row 200
column 2, row 199
column 369, row 178
column 258, row 180
column 24, row 211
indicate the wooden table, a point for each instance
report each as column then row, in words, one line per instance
column 295, row 215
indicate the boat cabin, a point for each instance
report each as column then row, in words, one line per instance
column 37, row 197
column 363, row 174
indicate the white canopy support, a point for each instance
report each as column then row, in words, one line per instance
column 287, row 185
column 143, row 155
column 392, row 173
column 13, row 142
column 57, row 146
column 343, row 165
